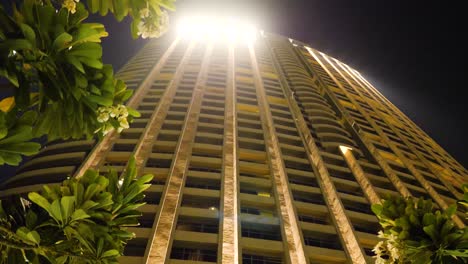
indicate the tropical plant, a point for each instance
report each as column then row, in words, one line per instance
column 464, row 200
column 15, row 136
column 413, row 231
column 83, row 220
column 53, row 62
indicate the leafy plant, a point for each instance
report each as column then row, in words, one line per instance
column 54, row 62
column 149, row 17
column 413, row 231
column 82, row 221
column 15, row 136
column 464, row 200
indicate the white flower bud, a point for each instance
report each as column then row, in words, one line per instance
column 124, row 123
column 70, row 5
column 145, row 12
column 103, row 117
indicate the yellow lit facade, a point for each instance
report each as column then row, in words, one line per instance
column 264, row 151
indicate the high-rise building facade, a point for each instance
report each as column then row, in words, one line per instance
column 263, row 152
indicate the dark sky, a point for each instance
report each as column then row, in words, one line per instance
column 414, row 52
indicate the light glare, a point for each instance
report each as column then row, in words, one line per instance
column 231, row 30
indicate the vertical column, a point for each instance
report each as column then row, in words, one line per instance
column 418, row 176
column 372, row 149
column 147, row 139
column 361, row 177
column 455, row 178
column 96, row 157
column 407, row 120
column 158, row 250
column 229, row 239
column 392, row 146
column 336, row 208
column 291, row 228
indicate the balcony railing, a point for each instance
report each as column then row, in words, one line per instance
column 311, row 219
column 253, row 259
column 194, row 254
column 317, row 242
column 197, row 227
column 261, row 234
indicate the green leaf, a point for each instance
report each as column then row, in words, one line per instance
column 79, row 215
column 19, row 134
column 25, row 148
column 428, row 219
column 62, row 41
column 110, row 253
column 376, row 208
column 15, row 44
column 28, row 33
column 3, row 132
column 28, row 118
column 39, row 200
column 126, row 95
column 456, row 253
column 104, row 7
column 55, row 212
column 446, row 228
column 10, row 158
column 97, row 64
column 134, row 27
column 75, row 62
column 133, row 112
column 100, row 100
column 45, row 18
column 86, row 33
column 90, row 191
column 120, row 9
column 129, row 174
column 31, row 219
column 22, row 232
column 431, row 232
column 89, row 50
column 93, row 6
column 67, row 203
column 451, row 210
column 144, row 179
column 80, row 15
column 34, row 237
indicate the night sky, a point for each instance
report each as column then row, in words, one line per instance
column 413, row 53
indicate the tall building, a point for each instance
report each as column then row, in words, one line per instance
column 264, row 151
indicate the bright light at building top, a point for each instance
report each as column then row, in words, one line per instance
column 212, row 28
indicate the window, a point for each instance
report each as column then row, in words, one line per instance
column 194, row 254
column 254, row 259
column 323, row 243
column 260, row 231
column 313, row 219
column 193, row 226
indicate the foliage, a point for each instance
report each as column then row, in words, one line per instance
column 54, row 62
column 82, row 221
column 413, row 231
column 15, row 136
column 149, row 17
column 464, row 200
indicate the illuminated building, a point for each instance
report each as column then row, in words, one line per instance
column 264, row 150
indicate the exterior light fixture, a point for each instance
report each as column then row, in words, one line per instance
column 345, row 149
column 217, row 29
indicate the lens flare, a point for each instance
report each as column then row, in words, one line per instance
column 217, row 29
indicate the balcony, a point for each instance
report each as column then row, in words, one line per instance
column 193, row 254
